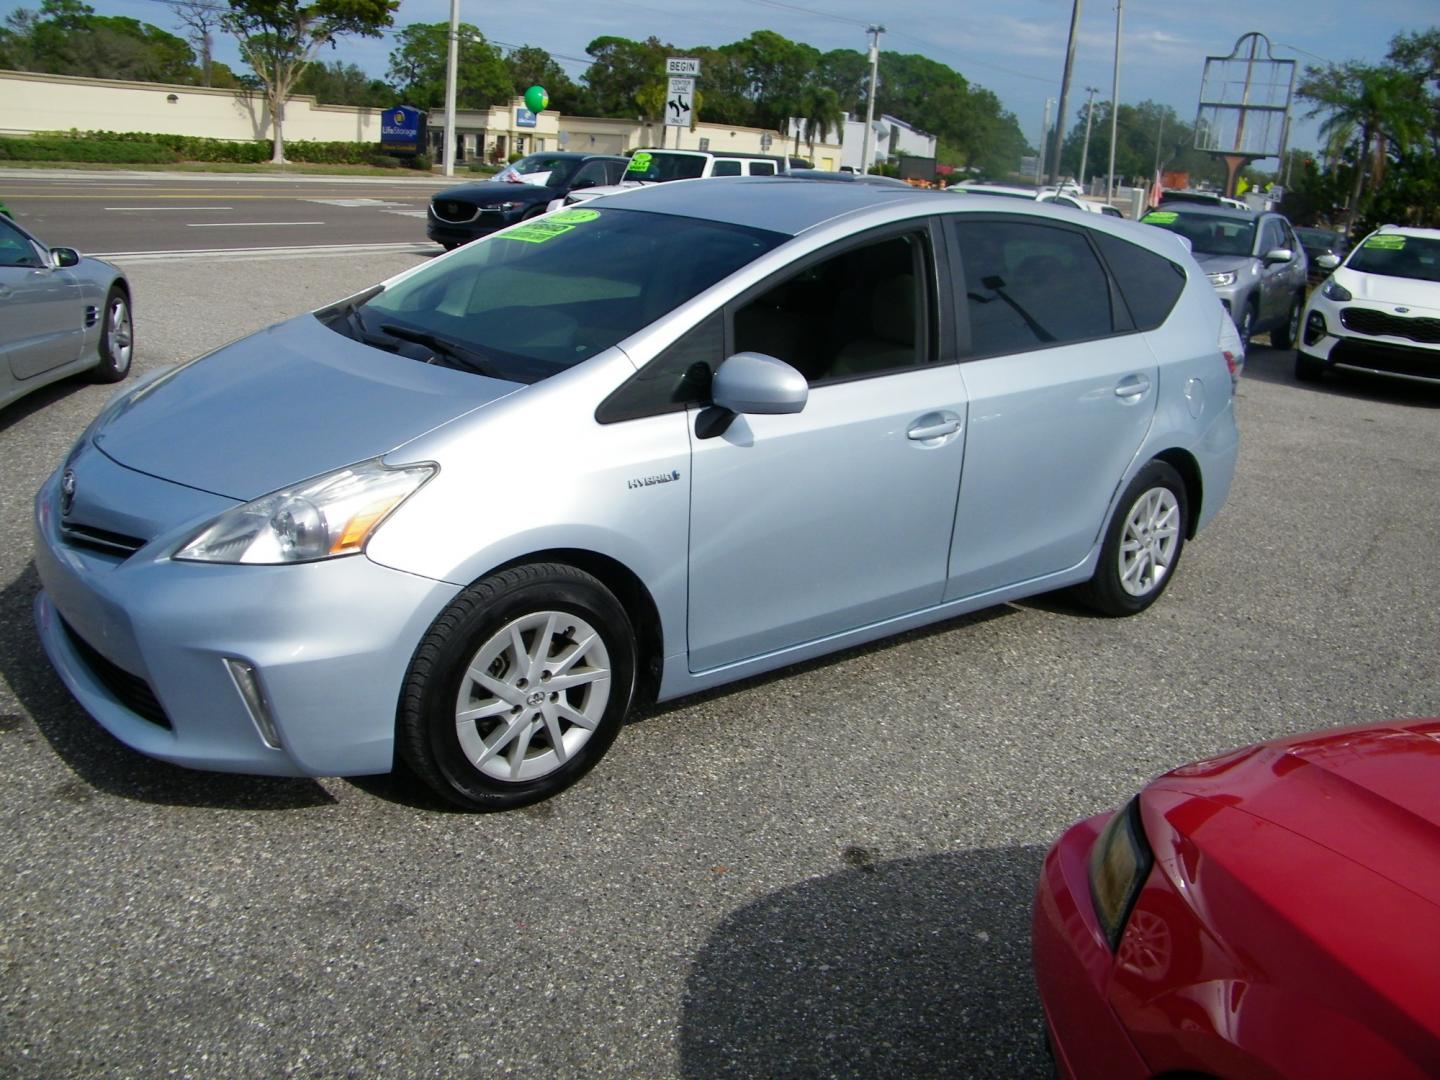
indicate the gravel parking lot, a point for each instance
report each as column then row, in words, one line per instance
column 822, row 873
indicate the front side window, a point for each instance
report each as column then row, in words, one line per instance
column 545, row 295
column 590, row 174
column 542, row 170
column 1272, row 236
column 15, row 247
column 1030, row 286
column 860, row 312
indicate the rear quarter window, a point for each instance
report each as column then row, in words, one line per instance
column 1149, row 283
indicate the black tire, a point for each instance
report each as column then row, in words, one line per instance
column 1246, row 324
column 1284, row 337
column 1106, row 592
column 428, row 737
column 533, row 212
column 1308, row 369
column 117, row 338
column 449, row 245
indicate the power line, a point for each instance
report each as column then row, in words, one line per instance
column 808, row 11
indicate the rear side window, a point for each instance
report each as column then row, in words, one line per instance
column 1030, row 286
column 1149, row 283
column 762, row 168
column 725, row 168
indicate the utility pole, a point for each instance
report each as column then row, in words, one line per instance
column 1085, row 148
column 1114, row 105
column 451, row 63
column 1044, row 133
column 1064, row 94
column 1159, row 134
column 867, row 155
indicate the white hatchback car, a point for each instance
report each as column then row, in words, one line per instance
column 1379, row 311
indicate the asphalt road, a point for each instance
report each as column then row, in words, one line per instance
column 822, row 873
column 113, row 213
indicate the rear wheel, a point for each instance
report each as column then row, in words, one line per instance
column 1284, row 337
column 519, row 688
column 1142, row 544
column 117, row 338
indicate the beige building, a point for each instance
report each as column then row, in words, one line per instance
column 31, row 103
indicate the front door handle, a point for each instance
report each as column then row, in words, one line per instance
column 1132, row 386
column 930, row 428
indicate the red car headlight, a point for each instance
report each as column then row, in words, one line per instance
column 1120, row 862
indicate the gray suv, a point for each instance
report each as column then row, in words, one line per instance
column 1253, row 259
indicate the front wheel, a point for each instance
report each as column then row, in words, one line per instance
column 1284, row 337
column 519, row 688
column 117, row 338
column 1142, row 544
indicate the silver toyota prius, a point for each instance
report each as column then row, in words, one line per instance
column 625, row 452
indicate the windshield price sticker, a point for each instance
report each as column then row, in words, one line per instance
column 536, row 232
column 1386, row 243
column 573, row 217
column 1161, row 217
column 639, row 163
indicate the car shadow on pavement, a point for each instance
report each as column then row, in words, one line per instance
column 39, row 399
column 95, row 756
column 1278, row 366
column 906, row 968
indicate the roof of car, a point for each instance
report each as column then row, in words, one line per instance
column 1411, row 230
column 780, row 204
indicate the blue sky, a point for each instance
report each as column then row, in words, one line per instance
column 1015, row 49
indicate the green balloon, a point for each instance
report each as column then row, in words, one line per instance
column 536, row 99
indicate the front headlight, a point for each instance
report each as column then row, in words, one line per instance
column 1333, row 290
column 1120, row 862
column 1220, row 281
column 505, row 207
column 331, row 515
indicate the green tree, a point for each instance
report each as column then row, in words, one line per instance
column 340, row 83
column 530, row 65
column 621, row 68
column 66, row 37
column 417, row 68
column 820, row 115
column 279, row 38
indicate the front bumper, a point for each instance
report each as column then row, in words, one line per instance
column 450, row 232
column 1352, row 335
column 1073, row 964
column 143, row 643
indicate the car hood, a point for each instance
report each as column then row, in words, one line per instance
column 1382, row 289
column 485, row 192
column 1222, row 264
column 290, row 402
column 1367, row 795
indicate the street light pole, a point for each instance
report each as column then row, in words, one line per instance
column 1114, row 105
column 866, row 155
column 1044, row 133
column 451, row 63
column 1064, row 93
column 1085, row 148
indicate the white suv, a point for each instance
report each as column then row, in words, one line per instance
column 1379, row 311
column 653, row 166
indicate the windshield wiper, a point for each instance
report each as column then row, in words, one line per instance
column 442, row 348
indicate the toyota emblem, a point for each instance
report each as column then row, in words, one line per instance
column 67, row 492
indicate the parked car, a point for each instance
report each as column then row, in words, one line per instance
column 849, row 178
column 60, row 313
column 658, row 166
column 1266, row 913
column 1254, row 260
column 1056, row 196
column 1325, row 249
column 634, row 450
column 1202, row 198
column 521, row 190
column 1379, row 312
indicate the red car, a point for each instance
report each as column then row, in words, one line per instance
column 1274, row 912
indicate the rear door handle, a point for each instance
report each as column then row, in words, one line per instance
column 1132, row 386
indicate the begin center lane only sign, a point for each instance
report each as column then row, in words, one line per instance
column 679, row 102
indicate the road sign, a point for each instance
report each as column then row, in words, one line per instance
column 679, row 102
column 682, row 65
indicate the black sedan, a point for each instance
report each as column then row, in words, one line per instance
column 521, row 190
column 1321, row 242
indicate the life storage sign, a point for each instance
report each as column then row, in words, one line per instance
column 402, row 130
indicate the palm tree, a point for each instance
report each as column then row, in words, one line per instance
column 822, row 115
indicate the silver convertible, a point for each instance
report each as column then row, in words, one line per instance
column 468, row 518
column 60, row 313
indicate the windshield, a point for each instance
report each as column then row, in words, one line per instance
column 543, row 170
column 1393, row 255
column 544, row 295
column 658, row 165
column 1209, row 234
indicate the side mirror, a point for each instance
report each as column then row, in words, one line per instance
column 64, row 257
column 751, row 382
column 1328, row 261
column 1278, row 255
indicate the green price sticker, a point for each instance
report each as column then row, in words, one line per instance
column 1386, row 243
column 573, row 217
column 535, row 232
column 639, row 163
column 1161, row 217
